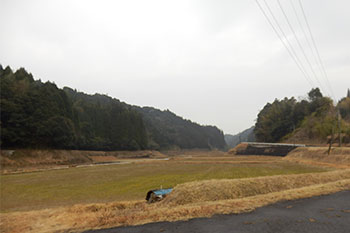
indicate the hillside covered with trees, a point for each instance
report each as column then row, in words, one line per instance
column 41, row 115
column 309, row 120
column 166, row 129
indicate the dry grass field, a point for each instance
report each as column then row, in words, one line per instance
column 27, row 160
column 125, row 182
column 81, row 198
column 339, row 157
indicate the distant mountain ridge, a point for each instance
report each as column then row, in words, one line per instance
column 244, row 136
column 41, row 115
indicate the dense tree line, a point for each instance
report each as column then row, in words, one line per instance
column 34, row 113
column 344, row 107
column 314, row 117
column 40, row 115
column 104, row 123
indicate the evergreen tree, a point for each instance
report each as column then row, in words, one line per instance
column 314, row 94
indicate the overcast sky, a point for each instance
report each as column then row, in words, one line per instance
column 214, row 62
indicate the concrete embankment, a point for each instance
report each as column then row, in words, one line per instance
column 256, row 148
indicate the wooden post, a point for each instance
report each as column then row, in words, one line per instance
column 339, row 128
column 331, row 142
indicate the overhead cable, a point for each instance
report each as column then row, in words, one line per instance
column 315, row 47
column 304, row 33
column 299, row 44
column 290, row 49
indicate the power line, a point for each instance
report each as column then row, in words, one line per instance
column 310, row 46
column 317, row 52
column 288, row 42
column 290, row 49
column 279, row 36
column 299, row 44
column 306, row 37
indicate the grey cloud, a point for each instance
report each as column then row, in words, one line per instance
column 214, row 62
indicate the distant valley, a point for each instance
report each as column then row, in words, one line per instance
column 244, row 136
column 40, row 115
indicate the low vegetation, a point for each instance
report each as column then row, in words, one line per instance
column 54, row 188
column 92, row 216
column 24, row 160
column 77, row 199
column 216, row 190
column 339, row 157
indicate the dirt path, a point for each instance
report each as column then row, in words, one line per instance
column 322, row 214
column 117, row 162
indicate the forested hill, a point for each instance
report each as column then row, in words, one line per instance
column 311, row 120
column 166, row 129
column 41, row 115
column 104, row 123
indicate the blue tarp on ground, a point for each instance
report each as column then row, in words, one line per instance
column 162, row 191
column 158, row 192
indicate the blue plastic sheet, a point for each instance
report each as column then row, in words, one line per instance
column 162, row 191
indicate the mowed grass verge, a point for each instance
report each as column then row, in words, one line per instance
column 98, row 184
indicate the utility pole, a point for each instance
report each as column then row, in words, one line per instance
column 333, row 128
column 331, row 142
column 339, row 128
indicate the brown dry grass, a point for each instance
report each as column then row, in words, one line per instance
column 217, row 162
column 91, row 216
column 28, row 160
column 240, row 147
column 99, row 159
column 339, row 156
column 125, row 182
column 235, row 158
column 195, row 199
column 194, row 153
column 214, row 190
column 225, row 160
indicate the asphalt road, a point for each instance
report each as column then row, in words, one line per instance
column 324, row 214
